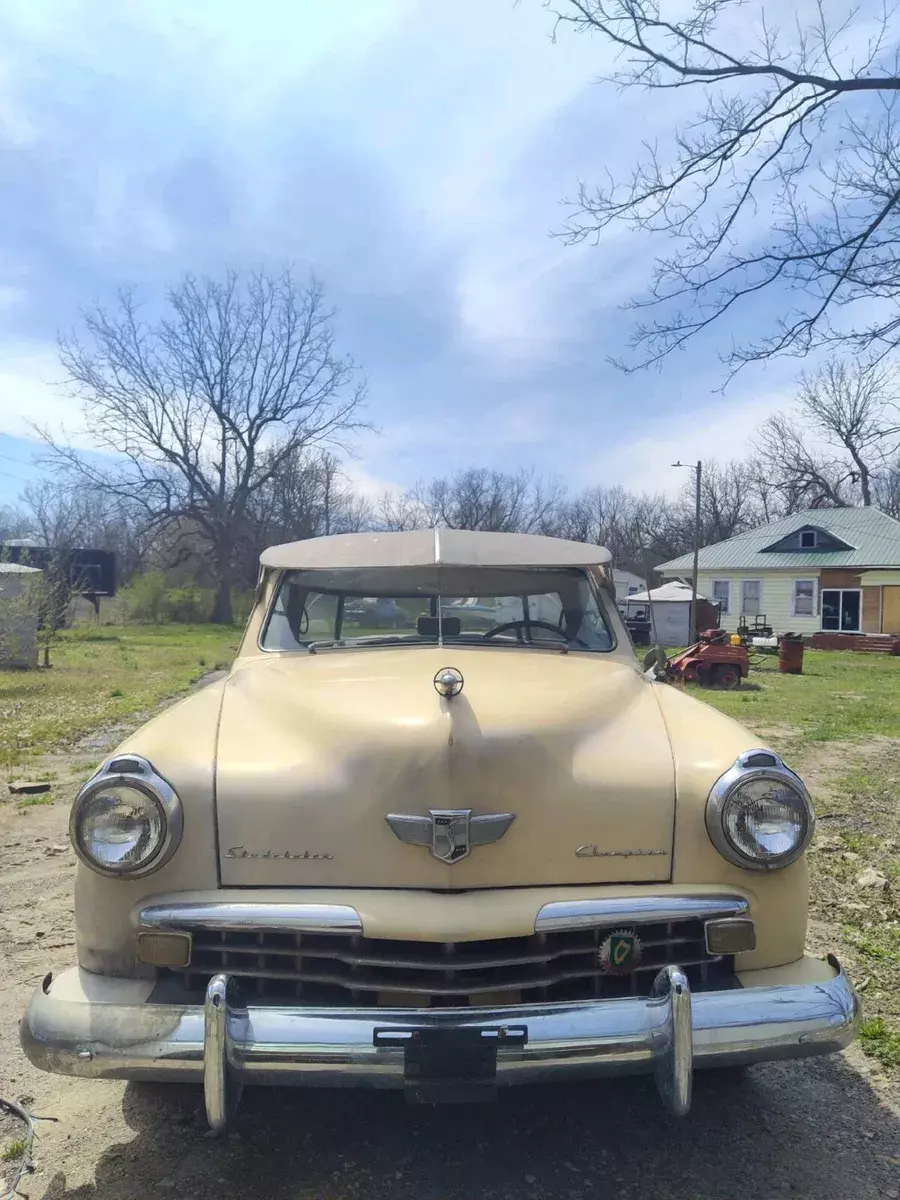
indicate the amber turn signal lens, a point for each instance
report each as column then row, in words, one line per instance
column 164, row 949
column 730, row 935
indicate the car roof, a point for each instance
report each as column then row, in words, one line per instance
column 428, row 547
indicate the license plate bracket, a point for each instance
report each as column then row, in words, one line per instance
column 446, row 1066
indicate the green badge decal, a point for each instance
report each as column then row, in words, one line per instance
column 621, row 952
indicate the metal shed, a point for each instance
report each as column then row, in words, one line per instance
column 18, row 624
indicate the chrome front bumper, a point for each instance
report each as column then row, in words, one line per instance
column 223, row 1045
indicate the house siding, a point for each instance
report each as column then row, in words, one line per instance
column 775, row 600
column 831, row 578
column 871, row 610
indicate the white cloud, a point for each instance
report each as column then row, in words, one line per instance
column 722, row 431
column 365, row 483
column 31, row 394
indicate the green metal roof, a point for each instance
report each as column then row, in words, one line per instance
column 874, row 536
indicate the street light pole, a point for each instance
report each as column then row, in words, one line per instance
column 695, row 616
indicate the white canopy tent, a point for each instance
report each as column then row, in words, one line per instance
column 671, row 611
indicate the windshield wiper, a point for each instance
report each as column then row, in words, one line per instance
column 375, row 640
column 312, row 647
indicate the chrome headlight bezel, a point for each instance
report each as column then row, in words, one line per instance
column 752, row 765
column 131, row 771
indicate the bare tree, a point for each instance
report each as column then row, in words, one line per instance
column 309, row 496
column 805, row 476
column 203, row 406
column 841, row 438
column 728, row 505
column 781, row 181
column 887, row 490
column 399, row 511
column 612, row 517
column 58, row 512
column 14, row 523
column 852, row 406
column 479, row 498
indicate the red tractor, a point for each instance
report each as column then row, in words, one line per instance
column 712, row 662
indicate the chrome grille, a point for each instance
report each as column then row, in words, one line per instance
column 328, row 968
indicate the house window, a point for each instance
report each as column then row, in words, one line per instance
column 751, row 597
column 807, row 539
column 721, row 594
column 804, row 596
column 841, row 609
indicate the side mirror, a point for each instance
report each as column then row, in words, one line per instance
column 655, row 663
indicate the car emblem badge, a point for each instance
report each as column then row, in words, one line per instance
column 621, row 952
column 450, row 833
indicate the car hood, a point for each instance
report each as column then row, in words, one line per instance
column 316, row 751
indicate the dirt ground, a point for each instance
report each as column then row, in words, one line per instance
column 823, row 1129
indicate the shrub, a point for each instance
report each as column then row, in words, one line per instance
column 147, row 600
column 143, row 599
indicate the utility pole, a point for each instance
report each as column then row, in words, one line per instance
column 698, row 472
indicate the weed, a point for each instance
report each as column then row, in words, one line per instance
column 31, row 801
column 13, row 1151
column 878, row 1041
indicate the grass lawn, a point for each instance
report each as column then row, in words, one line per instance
column 840, row 696
column 99, row 676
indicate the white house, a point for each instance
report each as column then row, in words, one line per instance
column 627, row 583
column 831, row 569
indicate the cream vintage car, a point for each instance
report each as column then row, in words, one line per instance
column 442, row 857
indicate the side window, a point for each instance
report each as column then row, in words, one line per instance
column 721, row 594
column 804, row 598
column 751, row 597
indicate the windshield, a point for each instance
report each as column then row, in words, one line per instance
column 459, row 605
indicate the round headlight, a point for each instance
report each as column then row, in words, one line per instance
column 760, row 817
column 122, row 825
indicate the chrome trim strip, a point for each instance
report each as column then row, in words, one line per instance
column 635, row 910
column 335, row 1047
column 238, row 915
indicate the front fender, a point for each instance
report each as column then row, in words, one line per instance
column 181, row 744
column 705, row 743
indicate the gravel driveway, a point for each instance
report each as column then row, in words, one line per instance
column 821, row 1129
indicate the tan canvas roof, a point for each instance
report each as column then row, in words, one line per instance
column 427, row 547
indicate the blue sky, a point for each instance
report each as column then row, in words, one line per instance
column 414, row 155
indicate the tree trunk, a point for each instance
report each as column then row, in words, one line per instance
column 222, row 613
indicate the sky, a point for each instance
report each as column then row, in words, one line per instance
column 415, row 156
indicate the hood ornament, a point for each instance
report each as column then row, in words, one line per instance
column 448, row 682
column 450, row 833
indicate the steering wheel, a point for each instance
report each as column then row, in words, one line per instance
column 520, row 626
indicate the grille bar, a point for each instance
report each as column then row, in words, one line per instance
column 445, row 987
column 455, row 961
column 334, row 968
